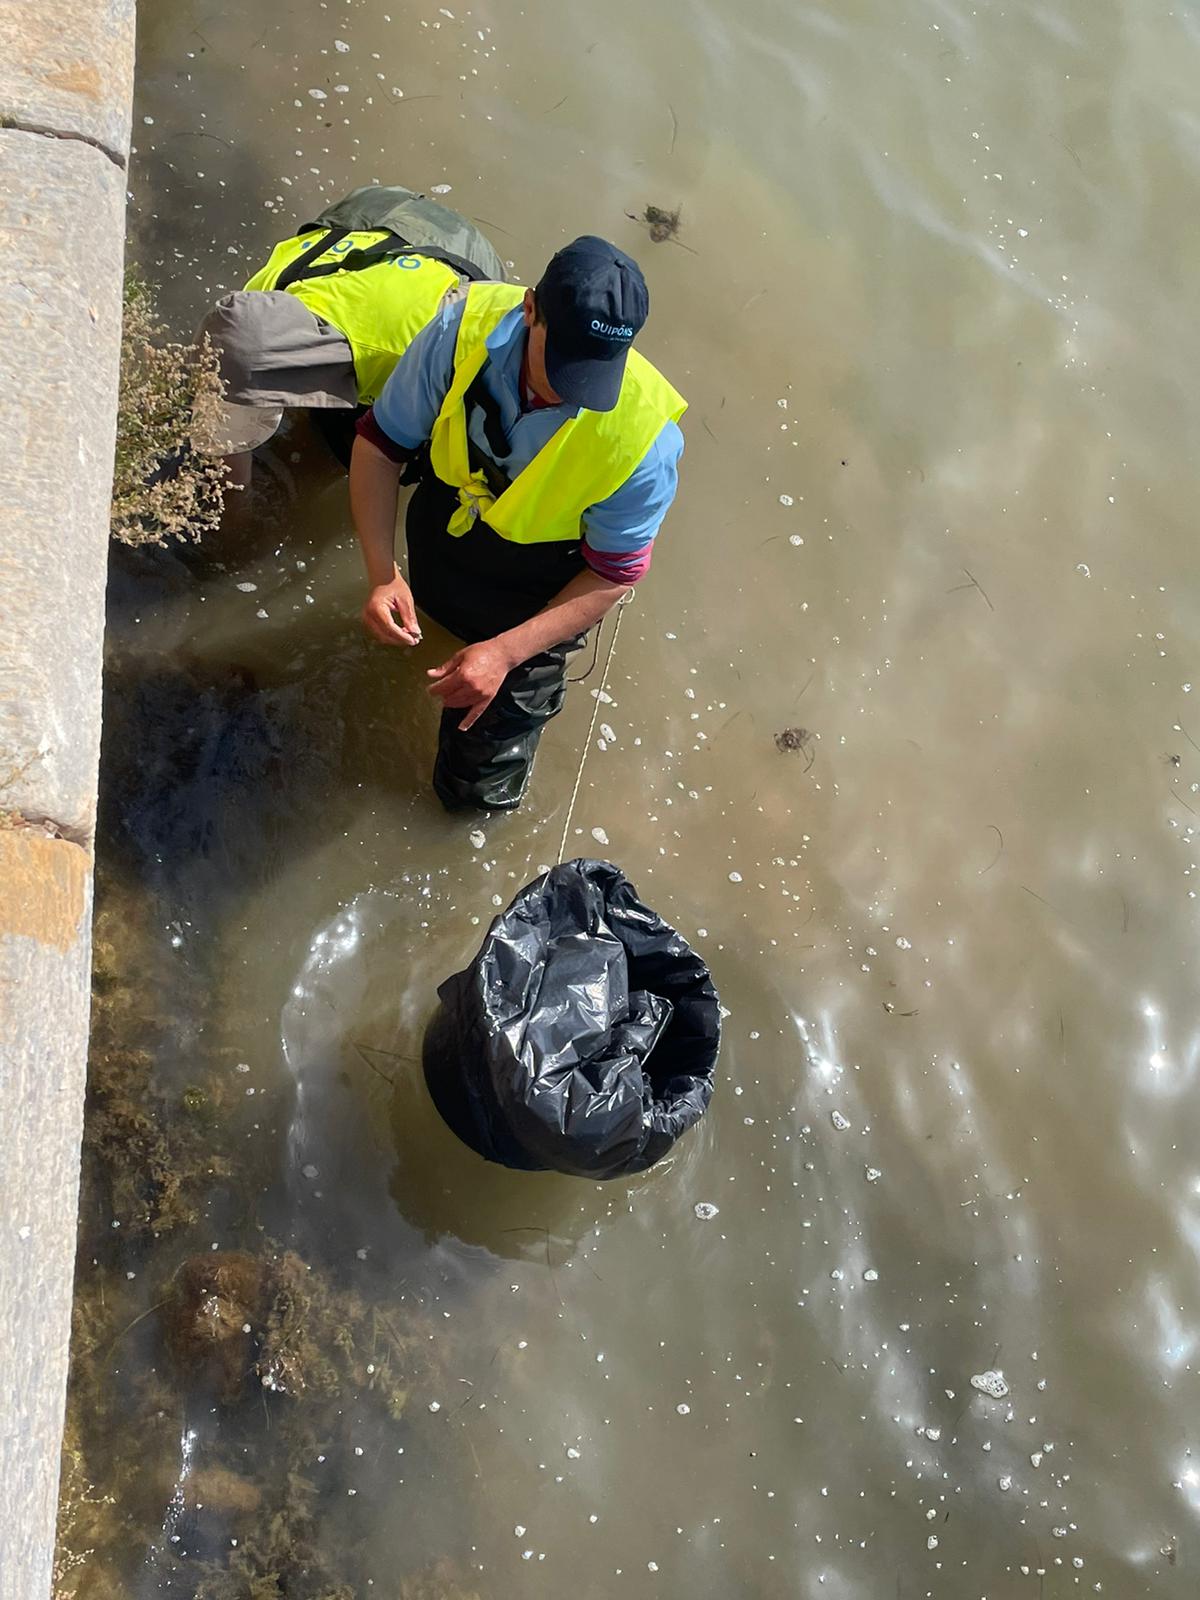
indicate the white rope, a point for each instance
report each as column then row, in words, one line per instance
column 587, row 743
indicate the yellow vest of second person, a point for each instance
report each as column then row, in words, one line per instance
column 588, row 459
column 380, row 309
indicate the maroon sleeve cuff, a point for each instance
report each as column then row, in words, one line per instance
column 622, row 568
column 369, row 429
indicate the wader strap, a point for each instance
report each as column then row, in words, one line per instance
column 382, row 250
column 493, row 427
column 294, row 270
column 417, row 466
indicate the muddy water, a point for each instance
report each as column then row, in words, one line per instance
column 932, row 305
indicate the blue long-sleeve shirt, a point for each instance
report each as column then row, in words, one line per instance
column 618, row 532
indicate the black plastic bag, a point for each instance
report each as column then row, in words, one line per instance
column 584, row 1035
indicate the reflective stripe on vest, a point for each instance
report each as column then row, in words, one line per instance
column 380, row 308
column 588, row 459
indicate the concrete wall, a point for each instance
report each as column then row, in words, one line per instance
column 66, row 77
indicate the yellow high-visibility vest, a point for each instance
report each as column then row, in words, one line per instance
column 588, row 459
column 379, row 308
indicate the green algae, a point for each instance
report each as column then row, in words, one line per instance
column 254, row 1358
column 148, row 1154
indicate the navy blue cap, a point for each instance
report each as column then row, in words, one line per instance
column 594, row 301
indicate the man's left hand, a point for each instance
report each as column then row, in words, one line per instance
column 471, row 679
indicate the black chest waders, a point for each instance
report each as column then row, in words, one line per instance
column 477, row 585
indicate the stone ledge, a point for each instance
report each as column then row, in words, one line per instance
column 68, row 68
column 60, row 329
column 45, row 957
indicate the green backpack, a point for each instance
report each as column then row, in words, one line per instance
column 418, row 226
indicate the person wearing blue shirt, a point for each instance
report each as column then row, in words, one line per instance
column 545, row 460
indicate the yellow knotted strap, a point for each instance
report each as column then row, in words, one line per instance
column 475, row 499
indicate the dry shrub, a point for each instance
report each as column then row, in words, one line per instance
column 163, row 487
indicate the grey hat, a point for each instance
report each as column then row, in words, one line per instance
column 273, row 353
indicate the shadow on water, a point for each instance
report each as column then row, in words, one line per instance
column 449, row 1193
column 220, row 762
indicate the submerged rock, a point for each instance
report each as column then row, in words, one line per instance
column 214, row 1318
column 235, row 1322
column 216, row 1488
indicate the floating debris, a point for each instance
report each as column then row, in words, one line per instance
column 796, row 741
column 705, row 1210
column 477, row 838
column 990, row 1383
column 840, row 1122
column 662, row 225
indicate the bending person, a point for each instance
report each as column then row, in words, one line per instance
column 323, row 323
column 546, row 453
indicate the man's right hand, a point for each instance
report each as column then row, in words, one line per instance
column 390, row 615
